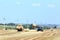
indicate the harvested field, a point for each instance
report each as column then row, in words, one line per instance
column 31, row 35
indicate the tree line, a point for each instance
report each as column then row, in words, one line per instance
column 13, row 25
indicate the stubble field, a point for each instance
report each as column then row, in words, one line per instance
column 31, row 35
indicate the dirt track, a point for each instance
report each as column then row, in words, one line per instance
column 14, row 35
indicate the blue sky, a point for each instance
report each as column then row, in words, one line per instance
column 30, row 11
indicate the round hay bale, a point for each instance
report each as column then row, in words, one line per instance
column 33, row 31
column 26, row 30
column 34, row 26
column 20, row 27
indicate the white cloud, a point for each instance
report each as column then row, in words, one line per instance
column 18, row 3
column 51, row 5
column 36, row 4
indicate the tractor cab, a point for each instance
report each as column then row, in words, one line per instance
column 39, row 28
